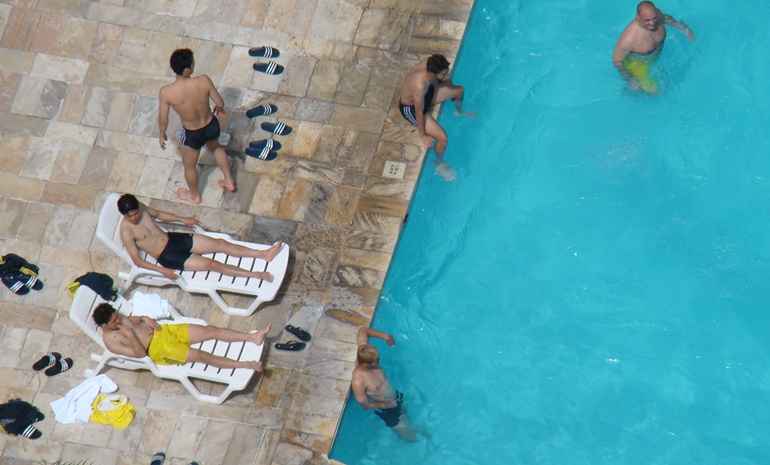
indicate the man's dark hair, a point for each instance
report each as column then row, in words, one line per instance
column 102, row 314
column 437, row 64
column 181, row 59
column 127, row 203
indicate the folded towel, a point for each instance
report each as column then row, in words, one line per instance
column 150, row 305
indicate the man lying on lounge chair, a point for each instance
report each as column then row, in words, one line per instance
column 180, row 251
column 138, row 337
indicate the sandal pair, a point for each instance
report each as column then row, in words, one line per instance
column 294, row 346
column 53, row 363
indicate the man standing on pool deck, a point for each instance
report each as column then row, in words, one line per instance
column 640, row 44
column 189, row 97
column 373, row 391
column 424, row 86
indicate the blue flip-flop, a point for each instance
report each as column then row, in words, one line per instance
column 264, row 52
column 264, row 153
column 262, row 110
column 269, row 67
column 269, row 143
column 279, row 128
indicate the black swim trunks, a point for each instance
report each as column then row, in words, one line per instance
column 409, row 111
column 177, row 251
column 197, row 138
column 392, row 416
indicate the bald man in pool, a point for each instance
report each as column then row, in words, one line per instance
column 640, row 44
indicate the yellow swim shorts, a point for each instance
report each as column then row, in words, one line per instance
column 170, row 345
column 640, row 70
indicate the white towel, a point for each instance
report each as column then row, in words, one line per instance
column 75, row 406
column 150, row 305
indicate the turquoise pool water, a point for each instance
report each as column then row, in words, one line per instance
column 593, row 288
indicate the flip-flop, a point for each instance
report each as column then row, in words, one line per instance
column 16, row 284
column 269, row 143
column 269, row 67
column 279, row 129
column 292, row 346
column 158, row 458
column 61, row 365
column 264, row 153
column 46, row 361
column 264, row 52
column 35, row 283
column 299, row 332
column 31, row 432
column 262, row 110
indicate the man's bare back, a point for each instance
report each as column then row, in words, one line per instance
column 190, row 99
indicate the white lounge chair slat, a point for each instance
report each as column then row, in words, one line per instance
column 210, row 283
column 85, row 302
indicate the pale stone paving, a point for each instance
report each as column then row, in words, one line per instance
column 78, row 118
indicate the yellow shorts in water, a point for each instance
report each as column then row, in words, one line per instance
column 640, row 71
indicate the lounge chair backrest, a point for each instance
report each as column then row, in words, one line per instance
column 108, row 229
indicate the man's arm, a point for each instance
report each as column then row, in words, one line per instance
column 680, row 26
column 365, row 333
column 133, row 251
column 219, row 102
column 163, row 107
column 419, row 109
column 168, row 217
column 124, row 342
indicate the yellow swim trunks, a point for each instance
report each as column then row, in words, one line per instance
column 640, row 70
column 170, row 344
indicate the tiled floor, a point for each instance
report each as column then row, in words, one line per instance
column 78, row 102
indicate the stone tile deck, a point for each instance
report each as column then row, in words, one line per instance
column 79, row 81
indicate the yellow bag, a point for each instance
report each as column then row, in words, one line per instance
column 113, row 410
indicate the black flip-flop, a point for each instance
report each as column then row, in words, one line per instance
column 279, row 128
column 158, row 458
column 292, row 346
column 269, row 67
column 61, row 365
column 31, row 432
column 264, row 52
column 299, row 332
column 46, row 361
column 262, row 110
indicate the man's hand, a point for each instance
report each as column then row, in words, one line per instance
column 162, row 140
column 426, row 142
column 169, row 273
column 190, row 221
column 389, row 340
column 150, row 322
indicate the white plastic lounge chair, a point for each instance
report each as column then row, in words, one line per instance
column 198, row 282
column 234, row 379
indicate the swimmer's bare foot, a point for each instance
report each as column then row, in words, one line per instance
column 258, row 337
column 264, row 275
column 426, row 142
column 227, row 186
column 270, row 253
column 184, row 193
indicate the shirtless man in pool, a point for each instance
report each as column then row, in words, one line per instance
column 640, row 44
column 180, row 251
column 373, row 391
column 189, row 96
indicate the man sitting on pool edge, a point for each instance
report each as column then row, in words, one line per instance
column 640, row 44
column 169, row 344
column 373, row 391
column 180, row 251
